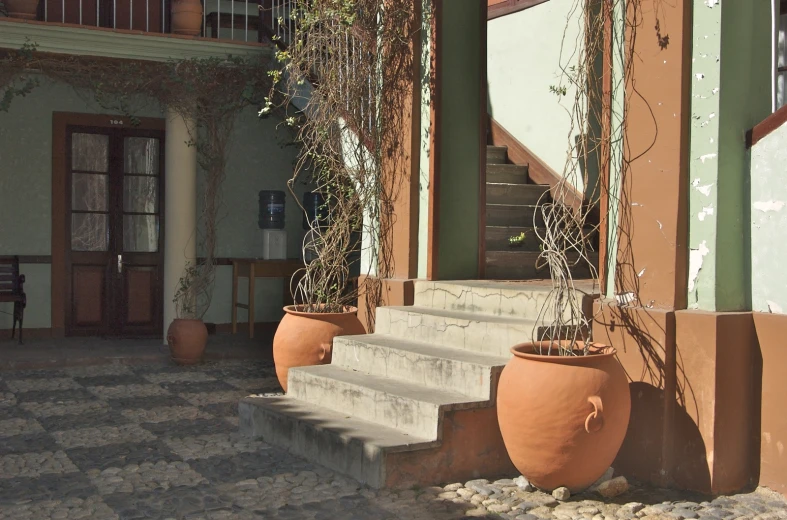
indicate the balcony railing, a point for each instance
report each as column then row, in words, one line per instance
column 238, row 20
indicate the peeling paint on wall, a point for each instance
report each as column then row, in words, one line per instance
column 705, row 190
column 705, row 212
column 770, row 205
column 774, row 307
column 696, row 258
column 707, row 157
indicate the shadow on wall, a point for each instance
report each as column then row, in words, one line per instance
column 661, row 410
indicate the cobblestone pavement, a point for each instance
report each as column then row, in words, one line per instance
column 128, row 442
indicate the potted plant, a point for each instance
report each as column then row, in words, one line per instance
column 187, row 335
column 305, row 335
column 187, row 17
column 25, row 9
column 563, row 401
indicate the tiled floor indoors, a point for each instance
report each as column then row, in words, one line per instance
column 125, row 441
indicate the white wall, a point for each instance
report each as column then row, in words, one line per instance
column 769, row 222
column 523, row 60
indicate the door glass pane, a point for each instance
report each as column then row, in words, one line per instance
column 140, row 194
column 89, row 152
column 141, row 155
column 140, row 233
column 89, row 231
column 88, row 192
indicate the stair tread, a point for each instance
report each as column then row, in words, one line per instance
column 428, row 349
column 340, row 424
column 461, row 315
column 391, row 386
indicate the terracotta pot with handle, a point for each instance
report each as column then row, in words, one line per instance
column 26, row 9
column 306, row 338
column 563, row 418
column 186, row 17
column 186, row 340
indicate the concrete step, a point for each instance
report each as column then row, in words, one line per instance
column 512, row 215
column 496, row 154
column 478, row 332
column 506, row 173
column 527, row 194
column 354, row 447
column 521, row 265
column 469, row 373
column 489, row 297
column 496, row 238
column 409, row 407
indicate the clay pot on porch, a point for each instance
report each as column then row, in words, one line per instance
column 186, row 340
column 306, row 338
column 563, row 418
column 187, row 17
column 27, row 9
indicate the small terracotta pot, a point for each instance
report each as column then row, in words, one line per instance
column 563, row 418
column 27, row 9
column 186, row 340
column 187, row 17
column 306, row 338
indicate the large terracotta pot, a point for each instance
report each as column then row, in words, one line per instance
column 187, row 17
column 306, row 338
column 563, row 418
column 186, row 340
column 26, row 9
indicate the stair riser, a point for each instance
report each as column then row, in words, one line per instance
column 503, row 266
column 519, row 216
column 431, row 372
column 514, row 302
column 506, row 176
column 529, row 194
column 410, row 416
column 496, row 155
column 355, row 459
column 479, row 336
column 496, row 239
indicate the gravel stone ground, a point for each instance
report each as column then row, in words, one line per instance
column 118, row 442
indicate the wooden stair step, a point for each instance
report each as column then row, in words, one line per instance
column 521, row 265
column 506, row 174
column 496, row 154
column 526, row 194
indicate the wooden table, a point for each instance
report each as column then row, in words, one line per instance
column 252, row 269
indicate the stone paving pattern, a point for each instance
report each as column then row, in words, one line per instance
column 155, row 441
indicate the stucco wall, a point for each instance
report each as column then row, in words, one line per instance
column 731, row 79
column 769, row 222
column 523, row 61
column 258, row 161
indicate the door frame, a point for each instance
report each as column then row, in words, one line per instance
column 60, row 240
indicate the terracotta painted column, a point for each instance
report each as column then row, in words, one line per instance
column 180, row 219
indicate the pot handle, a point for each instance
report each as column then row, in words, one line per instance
column 595, row 421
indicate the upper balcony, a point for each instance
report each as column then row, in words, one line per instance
column 143, row 29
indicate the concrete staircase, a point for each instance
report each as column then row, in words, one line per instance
column 413, row 403
column 511, row 204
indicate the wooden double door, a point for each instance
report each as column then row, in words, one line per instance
column 114, row 229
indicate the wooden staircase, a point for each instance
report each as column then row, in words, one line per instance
column 512, row 208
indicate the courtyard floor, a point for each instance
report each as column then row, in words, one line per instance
column 128, row 441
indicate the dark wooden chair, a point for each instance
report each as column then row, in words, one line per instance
column 12, row 291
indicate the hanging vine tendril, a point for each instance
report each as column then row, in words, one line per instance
column 349, row 67
column 567, row 232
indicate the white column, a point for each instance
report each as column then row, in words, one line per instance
column 180, row 210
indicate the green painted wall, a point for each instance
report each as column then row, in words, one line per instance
column 460, row 140
column 731, row 86
column 258, row 161
column 523, row 61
